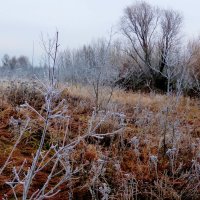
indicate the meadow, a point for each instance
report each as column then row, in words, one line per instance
column 56, row 144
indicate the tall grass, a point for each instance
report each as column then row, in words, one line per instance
column 139, row 146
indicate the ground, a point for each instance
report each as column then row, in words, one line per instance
column 155, row 156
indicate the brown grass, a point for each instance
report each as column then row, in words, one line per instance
column 146, row 120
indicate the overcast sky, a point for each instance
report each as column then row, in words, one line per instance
column 78, row 21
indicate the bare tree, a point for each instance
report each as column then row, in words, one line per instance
column 139, row 25
column 23, row 62
column 5, row 60
column 51, row 50
column 99, row 64
column 168, row 44
column 153, row 37
column 194, row 66
column 170, row 30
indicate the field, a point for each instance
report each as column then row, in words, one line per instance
column 56, row 144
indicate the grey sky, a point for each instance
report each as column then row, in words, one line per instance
column 78, row 21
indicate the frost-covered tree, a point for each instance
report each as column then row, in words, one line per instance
column 152, row 39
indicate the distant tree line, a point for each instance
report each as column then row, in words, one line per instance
column 14, row 63
column 150, row 53
column 19, row 67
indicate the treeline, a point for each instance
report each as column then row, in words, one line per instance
column 19, row 67
column 150, row 53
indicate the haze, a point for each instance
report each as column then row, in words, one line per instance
column 78, row 21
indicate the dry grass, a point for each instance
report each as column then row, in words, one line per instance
column 154, row 125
